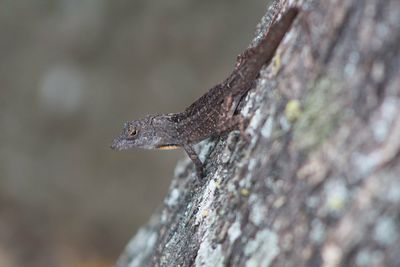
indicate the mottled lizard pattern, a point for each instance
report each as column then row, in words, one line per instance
column 214, row 112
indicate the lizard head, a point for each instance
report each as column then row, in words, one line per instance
column 149, row 133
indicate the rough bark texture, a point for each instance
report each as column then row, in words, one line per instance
column 319, row 182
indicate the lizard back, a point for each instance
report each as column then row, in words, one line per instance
column 202, row 118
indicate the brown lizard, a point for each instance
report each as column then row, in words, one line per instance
column 214, row 112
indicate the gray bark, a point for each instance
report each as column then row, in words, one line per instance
column 319, row 182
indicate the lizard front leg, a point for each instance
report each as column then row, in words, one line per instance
column 234, row 122
column 229, row 121
column 195, row 159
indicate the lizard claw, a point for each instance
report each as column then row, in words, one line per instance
column 200, row 172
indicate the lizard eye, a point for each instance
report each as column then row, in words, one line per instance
column 132, row 131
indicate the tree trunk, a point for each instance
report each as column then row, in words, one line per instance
column 318, row 184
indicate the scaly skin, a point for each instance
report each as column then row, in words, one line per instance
column 213, row 113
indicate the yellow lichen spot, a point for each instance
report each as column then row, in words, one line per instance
column 245, row 192
column 293, row 110
column 336, row 203
column 204, row 213
column 279, row 202
column 276, row 64
column 218, row 183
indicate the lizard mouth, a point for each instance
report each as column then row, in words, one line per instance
column 117, row 144
column 120, row 143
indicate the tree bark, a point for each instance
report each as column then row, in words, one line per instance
column 318, row 184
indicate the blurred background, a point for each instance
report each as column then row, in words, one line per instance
column 71, row 72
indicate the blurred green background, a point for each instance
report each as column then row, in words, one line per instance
column 71, row 72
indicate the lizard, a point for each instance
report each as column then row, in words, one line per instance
column 213, row 113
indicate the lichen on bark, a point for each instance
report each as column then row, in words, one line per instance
column 317, row 184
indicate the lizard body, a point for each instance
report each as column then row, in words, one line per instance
column 213, row 113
